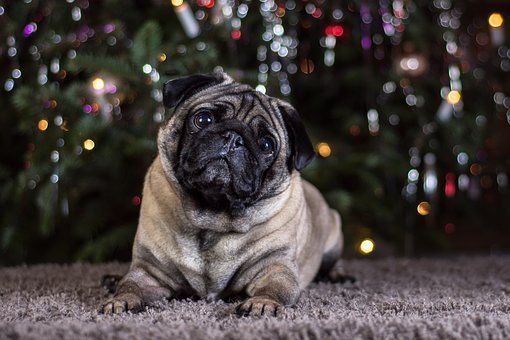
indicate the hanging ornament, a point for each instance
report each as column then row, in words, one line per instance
column 187, row 18
column 424, row 208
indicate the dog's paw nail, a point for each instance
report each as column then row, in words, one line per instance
column 123, row 303
column 120, row 307
column 243, row 309
column 107, row 308
column 259, row 306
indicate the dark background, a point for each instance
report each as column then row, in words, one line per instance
column 409, row 171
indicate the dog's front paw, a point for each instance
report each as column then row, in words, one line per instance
column 122, row 303
column 258, row 306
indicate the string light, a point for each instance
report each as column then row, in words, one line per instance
column 146, row 68
column 423, row 208
column 324, row 149
column 42, row 125
column 453, row 97
column 89, row 144
column 187, row 18
column 495, row 20
column 366, row 246
column 98, row 84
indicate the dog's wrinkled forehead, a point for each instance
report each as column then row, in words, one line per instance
column 218, row 91
column 220, row 94
column 178, row 91
column 234, row 101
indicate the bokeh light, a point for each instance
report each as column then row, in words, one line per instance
column 423, row 208
column 89, row 144
column 495, row 20
column 453, row 97
column 366, row 246
column 324, row 149
column 42, row 125
column 98, row 84
column 136, row 200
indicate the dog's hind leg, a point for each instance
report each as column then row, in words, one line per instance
column 332, row 267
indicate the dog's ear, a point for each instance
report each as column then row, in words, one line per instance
column 176, row 90
column 302, row 151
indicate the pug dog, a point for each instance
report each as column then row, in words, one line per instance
column 224, row 209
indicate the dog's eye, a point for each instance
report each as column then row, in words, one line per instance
column 266, row 144
column 203, row 119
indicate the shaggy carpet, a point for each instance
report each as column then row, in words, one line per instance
column 444, row 298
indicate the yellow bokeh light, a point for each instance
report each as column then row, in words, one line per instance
column 453, row 97
column 42, row 125
column 423, row 208
column 162, row 57
column 98, row 84
column 89, row 144
column 366, row 246
column 177, row 3
column 324, row 149
column 495, row 20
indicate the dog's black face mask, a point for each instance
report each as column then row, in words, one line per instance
column 223, row 161
column 235, row 145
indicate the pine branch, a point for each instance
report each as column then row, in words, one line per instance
column 114, row 65
column 146, row 43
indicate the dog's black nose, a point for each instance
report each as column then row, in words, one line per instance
column 232, row 140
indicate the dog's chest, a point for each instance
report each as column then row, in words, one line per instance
column 208, row 260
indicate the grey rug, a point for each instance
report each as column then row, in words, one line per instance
column 447, row 298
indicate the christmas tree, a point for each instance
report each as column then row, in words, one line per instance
column 406, row 102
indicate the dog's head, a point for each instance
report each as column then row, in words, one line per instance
column 228, row 145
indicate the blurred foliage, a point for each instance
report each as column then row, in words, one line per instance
column 90, row 213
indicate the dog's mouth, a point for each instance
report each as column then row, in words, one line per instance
column 220, row 183
column 216, row 173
